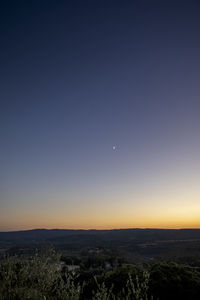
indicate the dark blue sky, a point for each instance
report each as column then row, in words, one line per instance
column 79, row 77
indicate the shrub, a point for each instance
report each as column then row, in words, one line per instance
column 40, row 278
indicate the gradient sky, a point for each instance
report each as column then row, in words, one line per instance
column 79, row 77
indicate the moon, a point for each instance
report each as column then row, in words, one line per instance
column 114, row 147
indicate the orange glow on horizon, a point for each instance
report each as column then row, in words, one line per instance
column 161, row 224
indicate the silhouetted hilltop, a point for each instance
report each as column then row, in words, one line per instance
column 123, row 235
column 140, row 243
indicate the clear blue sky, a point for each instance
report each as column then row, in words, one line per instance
column 79, row 77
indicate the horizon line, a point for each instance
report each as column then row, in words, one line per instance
column 106, row 229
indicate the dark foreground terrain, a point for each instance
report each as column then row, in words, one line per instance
column 100, row 264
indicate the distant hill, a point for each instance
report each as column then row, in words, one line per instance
column 69, row 236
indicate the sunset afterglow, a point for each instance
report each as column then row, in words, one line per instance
column 100, row 109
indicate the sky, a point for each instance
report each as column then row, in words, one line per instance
column 99, row 114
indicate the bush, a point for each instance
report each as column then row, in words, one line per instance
column 40, row 278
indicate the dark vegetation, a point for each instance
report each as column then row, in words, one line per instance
column 119, row 264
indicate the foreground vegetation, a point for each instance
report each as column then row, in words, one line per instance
column 40, row 277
